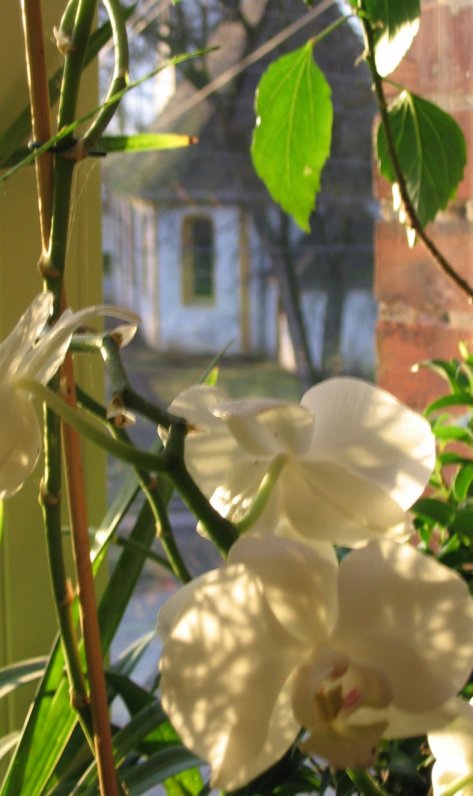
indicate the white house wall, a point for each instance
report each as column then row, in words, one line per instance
column 199, row 328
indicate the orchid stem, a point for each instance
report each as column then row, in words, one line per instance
column 148, row 485
column 222, row 532
column 79, row 422
column 264, row 493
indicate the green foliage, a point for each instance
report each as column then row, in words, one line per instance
column 144, row 142
column 431, row 150
column 444, row 519
column 392, row 14
column 291, row 141
column 395, row 23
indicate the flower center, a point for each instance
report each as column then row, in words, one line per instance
column 342, row 705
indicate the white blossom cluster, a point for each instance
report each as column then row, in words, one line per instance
column 283, row 641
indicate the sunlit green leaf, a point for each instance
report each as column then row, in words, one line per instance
column 396, row 23
column 159, row 767
column 143, row 142
column 460, row 399
column 453, row 433
column 187, row 783
column 291, row 140
column 431, row 150
column 462, row 482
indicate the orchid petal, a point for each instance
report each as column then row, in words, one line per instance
column 238, row 488
column 210, row 450
column 368, row 432
column 408, row 724
column 267, row 428
column 282, row 732
column 43, row 360
column 20, row 340
column 300, row 587
column 452, row 746
column 326, row 503
column 177, row 604
column 403, row 612
column 226, row 647
column 20, row 440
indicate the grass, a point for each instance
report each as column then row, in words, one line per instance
column 161, row 378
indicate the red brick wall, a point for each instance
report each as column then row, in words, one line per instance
column 422, row 314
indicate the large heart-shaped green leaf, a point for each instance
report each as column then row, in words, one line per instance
column 431, row 151
column 291, row 140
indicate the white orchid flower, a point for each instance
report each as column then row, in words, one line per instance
column 280, row 639
column 30, row 352
column 452, row 748
column 353, row 458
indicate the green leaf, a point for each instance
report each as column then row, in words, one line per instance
column 453, row 433
column 291, row 140
column 125, row 741
column 19, row 674
column 393, row 14
column 131, row 656
column 134, row 696
column 187, row 783
column 462, row 399
column 396, row 23
column 143, row 142
column 431, row 150
column 52, row 720
column 462, row 482
column 159, row 767
column 447, row 369
column 434, row 509
column 463, row 523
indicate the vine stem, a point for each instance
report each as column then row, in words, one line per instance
column 409, row 209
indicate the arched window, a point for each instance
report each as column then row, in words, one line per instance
column 198, row 260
